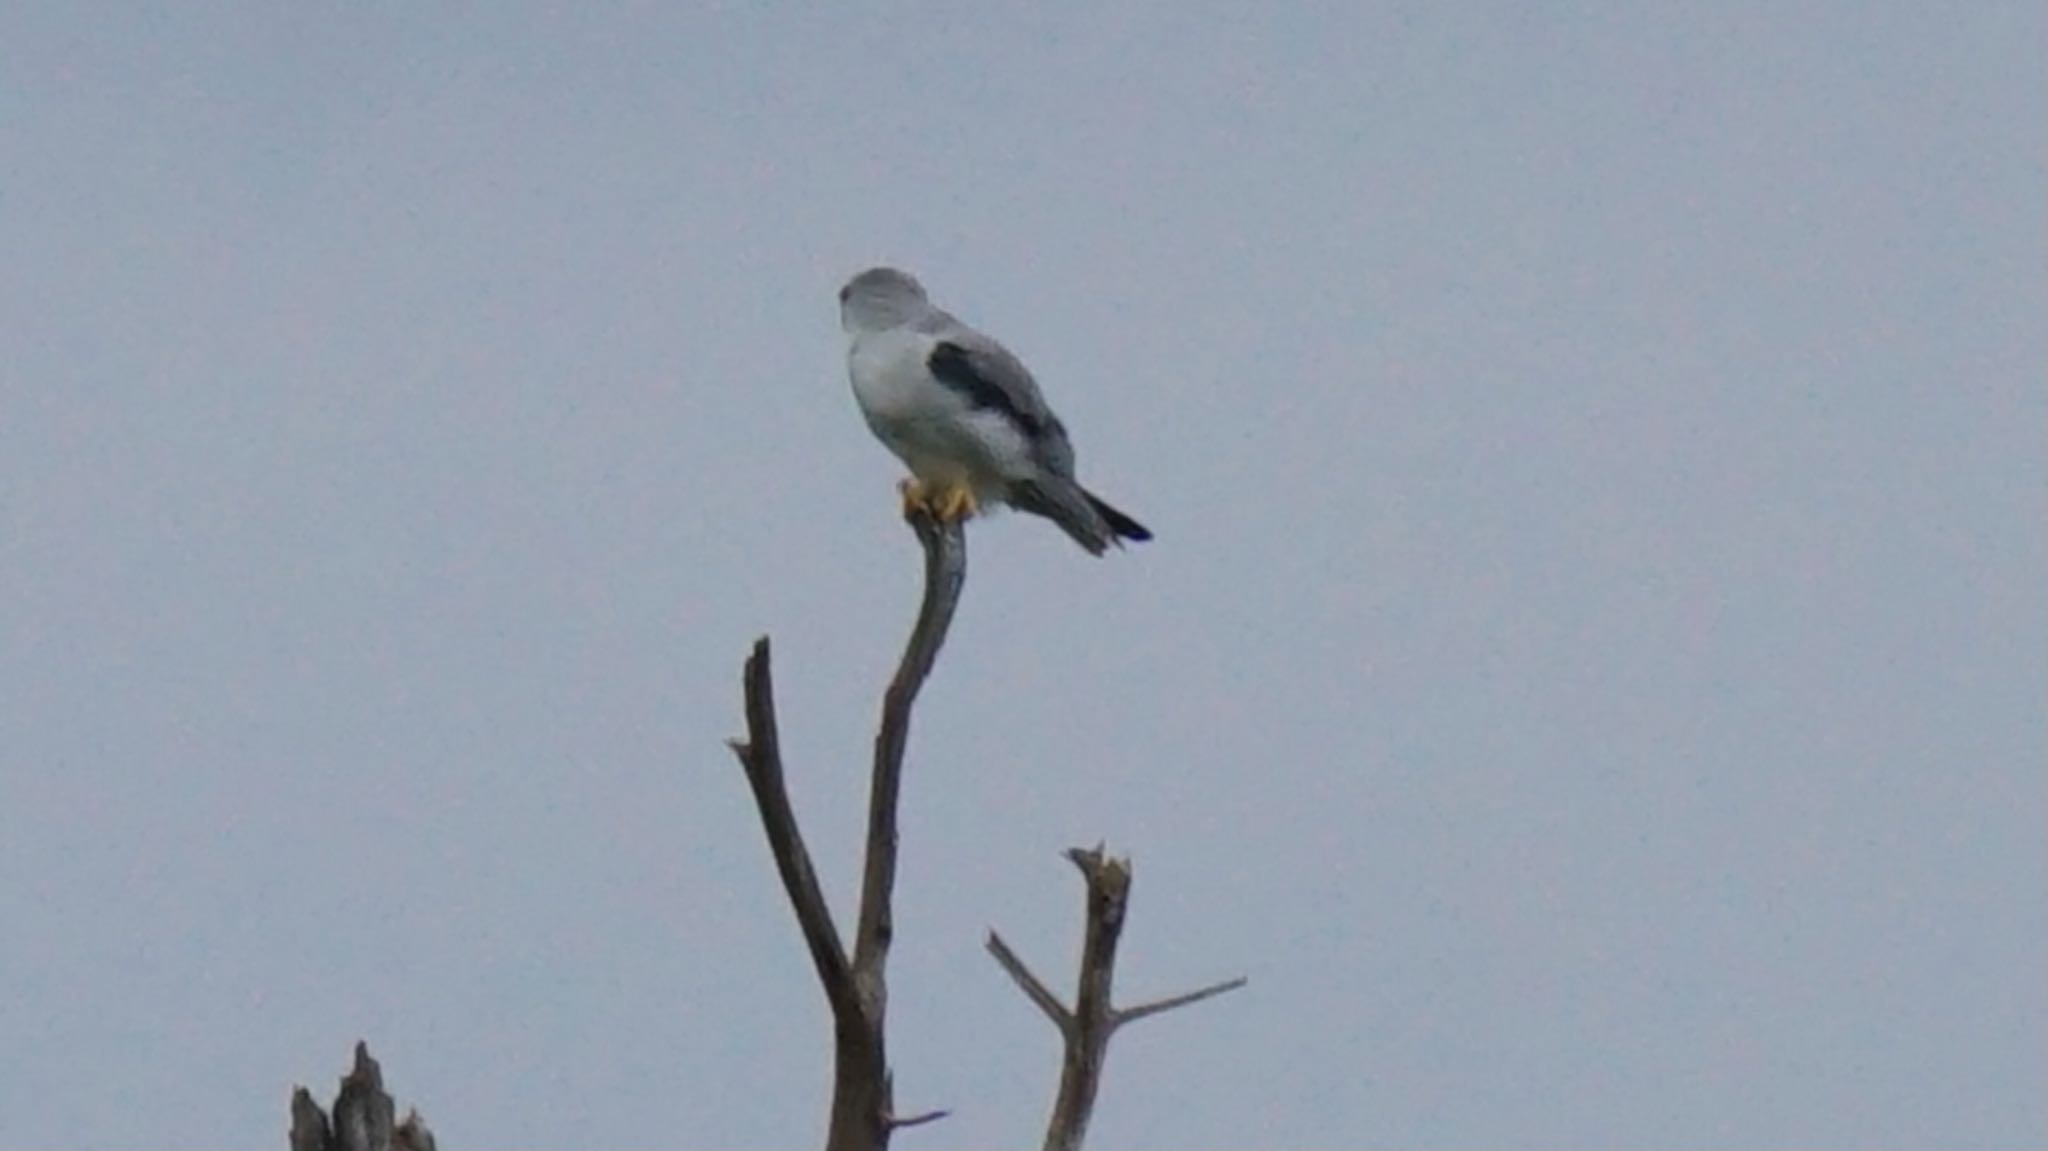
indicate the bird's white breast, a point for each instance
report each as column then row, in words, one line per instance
column 933, row 428
column 890, row 379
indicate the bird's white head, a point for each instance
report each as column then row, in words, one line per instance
column 879, row 299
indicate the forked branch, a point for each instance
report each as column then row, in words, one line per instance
column 856, row 986
column 1086, row 1027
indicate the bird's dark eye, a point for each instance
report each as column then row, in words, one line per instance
column 845, row 292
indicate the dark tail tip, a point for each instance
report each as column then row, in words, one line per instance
column 1124, row 526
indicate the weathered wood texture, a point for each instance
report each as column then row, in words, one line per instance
column 1086, row 1027
column 362, row 1119
column 863, row 1113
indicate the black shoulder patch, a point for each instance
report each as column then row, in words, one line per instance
column 954, row 367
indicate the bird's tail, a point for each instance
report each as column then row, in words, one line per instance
column 1124, row 526
column 1092, row 523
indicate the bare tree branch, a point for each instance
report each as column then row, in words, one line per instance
column 863, row 1096
column 896, row 1124
column 1085, row 1030
column 1087, row 1042
column 309, row 1123
column 860, row 1113
column 363, row 1116
column 1034, row 988
column 945, row 572
column 1125, row 1015
column 412, row 1134
column 760, row 756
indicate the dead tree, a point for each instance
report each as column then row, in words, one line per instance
column 362, row 1118
column 863, row 1112
column 856, row 986
column 1086, row 1027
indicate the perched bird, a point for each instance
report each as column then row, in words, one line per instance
column 964, row 413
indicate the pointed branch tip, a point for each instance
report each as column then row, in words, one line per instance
column 1125, row 1015
column 895, row 1124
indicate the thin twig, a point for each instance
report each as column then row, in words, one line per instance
column 761, row 756
column 1033, row 987
column 1125, row 1015
column 896, row 1124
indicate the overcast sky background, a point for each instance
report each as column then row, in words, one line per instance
column 1592, row 674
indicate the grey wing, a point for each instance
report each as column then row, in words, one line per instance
column 992, row 378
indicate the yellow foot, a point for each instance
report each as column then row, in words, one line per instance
column 954, row 504
column 947, row 504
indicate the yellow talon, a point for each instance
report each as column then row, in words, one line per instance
column 947, row 504
column 954, row 504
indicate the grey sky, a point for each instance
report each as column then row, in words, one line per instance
column 1590, row 676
